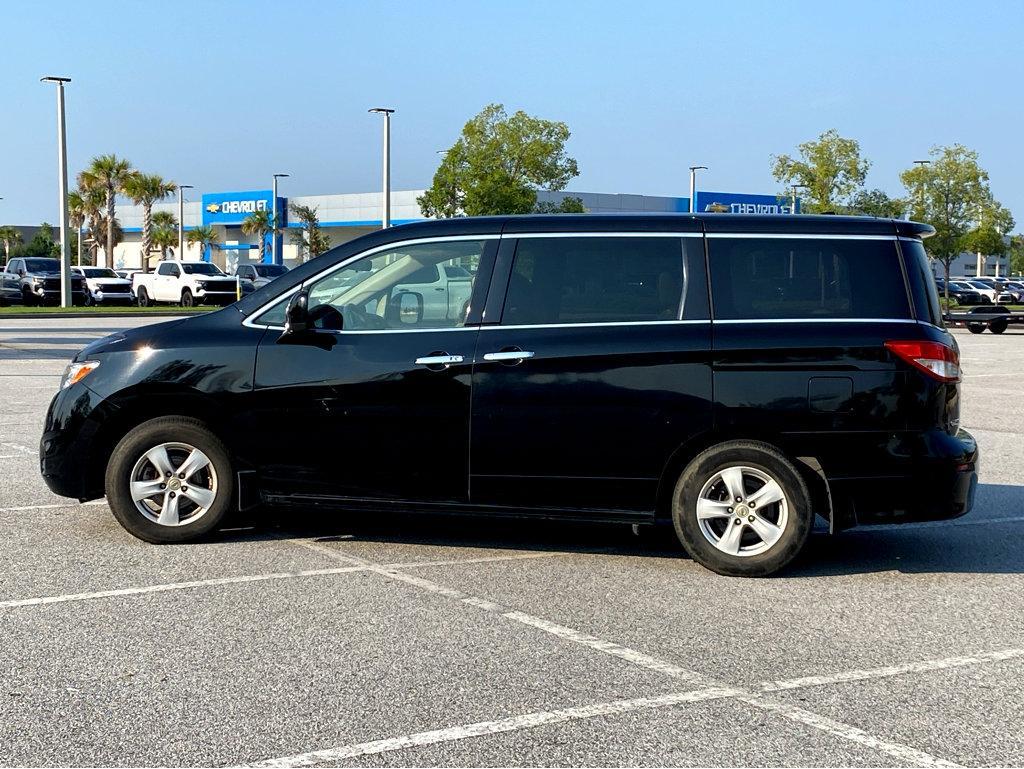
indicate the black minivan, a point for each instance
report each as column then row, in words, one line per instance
column 735, row 375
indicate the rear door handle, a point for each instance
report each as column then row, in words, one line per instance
column 439, row 360
column 509, row 355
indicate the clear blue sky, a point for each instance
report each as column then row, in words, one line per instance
column 222, row 94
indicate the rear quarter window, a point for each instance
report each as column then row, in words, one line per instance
column 806, row 279
column 922, row 284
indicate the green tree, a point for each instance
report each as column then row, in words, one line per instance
column 107, row 173
column 830, row 167
column 988, row 236
column 1017, row 255
column 203, row 236
column 498, row 164
column 11, row 238
column 877, row 203
column 567, row 205
column 165, row 233
column 145, row 190
column 952, row 194
column 311, row 240
column 259, row 224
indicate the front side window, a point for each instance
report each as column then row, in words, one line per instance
column 398, row 289
column 168, row 269
column 595, row 280
column 806, row 279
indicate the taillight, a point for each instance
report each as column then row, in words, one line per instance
column 937, row 360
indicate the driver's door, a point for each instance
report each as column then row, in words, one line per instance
column 375, row 405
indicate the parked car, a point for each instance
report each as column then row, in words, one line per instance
column 36, row 280
column 103, row 286
column 1014, row 288
column 962, row 292
column 260, row 274
column 990, row 294
column 730, row 375
column 127, row 273
column 186, row 283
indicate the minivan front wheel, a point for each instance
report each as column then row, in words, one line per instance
column 742, row 509
column 169, row 480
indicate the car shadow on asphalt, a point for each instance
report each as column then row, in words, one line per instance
column 959, row 546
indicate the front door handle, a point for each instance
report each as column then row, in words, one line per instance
column 507, row 356
column 440, row 359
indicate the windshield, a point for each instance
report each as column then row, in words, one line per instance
column 978, row 284
column 200, row 268
column 99, row 272
column 270, row 270
column 42, row 265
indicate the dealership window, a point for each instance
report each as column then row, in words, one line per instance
column 766, row 278
column 595, row 280
column 401, row 288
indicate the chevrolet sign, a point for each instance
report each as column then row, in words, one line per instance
column 232, row 208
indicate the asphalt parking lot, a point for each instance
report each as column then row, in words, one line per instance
column 313, row 640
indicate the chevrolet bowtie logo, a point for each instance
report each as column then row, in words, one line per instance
column 213, row 208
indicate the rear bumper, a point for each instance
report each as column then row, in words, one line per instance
column 934, row 477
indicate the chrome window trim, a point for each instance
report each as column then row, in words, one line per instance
column 796, row 236
column 816, row 320
column 515, row 235
column 250, row 321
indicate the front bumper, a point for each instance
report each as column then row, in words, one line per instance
column 68, row 455
column 103, row 297
column 216, row 297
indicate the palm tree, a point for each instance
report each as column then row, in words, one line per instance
column 98, row 233
column 165, row 232
column 144, row 190
column 204, row 236
column 259, row 223
column 310, row 239
column 107, row 173
column 9, row 236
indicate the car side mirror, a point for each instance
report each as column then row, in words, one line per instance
column 407, row 308
column 296, row 315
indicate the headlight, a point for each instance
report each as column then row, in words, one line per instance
column 200, row 284
column 76, row 372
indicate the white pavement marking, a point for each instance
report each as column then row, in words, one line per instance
column 242, row 579
column 57, row 506
column 901, row 752
column 481, row 728
column 894, row 527
column 904, row 753
column 17, row 447
column 888, row 671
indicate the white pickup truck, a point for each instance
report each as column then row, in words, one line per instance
column 185, row 283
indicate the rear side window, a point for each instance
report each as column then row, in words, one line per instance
column 595, row 280
column 781, row 278
column 922, row 283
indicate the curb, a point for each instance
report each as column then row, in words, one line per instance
column 112, row 314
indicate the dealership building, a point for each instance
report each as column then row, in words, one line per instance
column 346, row 216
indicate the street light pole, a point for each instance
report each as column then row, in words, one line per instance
column 181, row 220
column 62, row 187
column 792, row 195
column 693, row 186
column 275, row 257
column 922, row 164
column 385, row 219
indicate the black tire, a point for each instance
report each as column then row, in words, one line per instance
column 142, row 297
column 28, row 298
column 998, row 326
column 88, row 301
column 975, row 328
column 187, row 300
column 130, row 450
column 763, row 459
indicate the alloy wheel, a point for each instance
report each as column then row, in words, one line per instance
column 742, row 511
column 173, row 484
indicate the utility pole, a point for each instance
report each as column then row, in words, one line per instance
column 62, row 189
column 181, row 220
column 385, row 219
column 792, row 195
column 693, row 186
column 922, row 164
column 275, row 257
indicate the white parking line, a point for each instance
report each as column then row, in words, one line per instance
column 899, row 751
column 242, row 579
column 481, row 728
column 56, row 506
column 17, row 447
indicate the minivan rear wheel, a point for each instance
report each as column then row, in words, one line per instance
column 742, row 509
column 169, row 480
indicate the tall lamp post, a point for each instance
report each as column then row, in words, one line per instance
column 181, row 219
column 792, row 196
column 385, row 219
column 922, row 164
column 693, row 186
column 275, row 257
column 62, row 189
